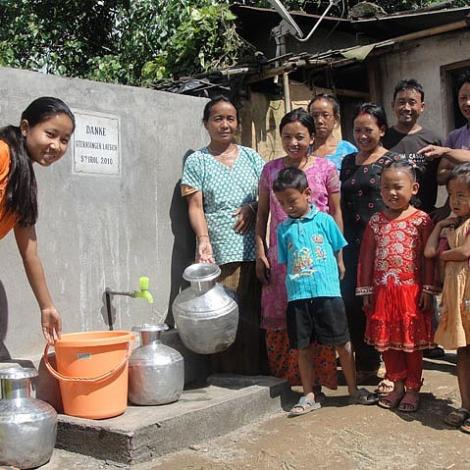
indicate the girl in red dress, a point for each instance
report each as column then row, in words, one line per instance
column 396, row 283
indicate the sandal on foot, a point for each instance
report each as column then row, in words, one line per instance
column 456, row 418
column 304, row 406
column 385, row 387
column 410, row 402
column 363, row 397
column 466, row 426
column 392, row 400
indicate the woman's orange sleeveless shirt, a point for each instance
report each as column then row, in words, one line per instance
column 7, row 220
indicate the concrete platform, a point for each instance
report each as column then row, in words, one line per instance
column 143, row 433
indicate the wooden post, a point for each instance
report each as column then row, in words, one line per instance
column 285, row 85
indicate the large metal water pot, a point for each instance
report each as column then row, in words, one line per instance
column 206, row 313
column 28, row 426
column 156, row 371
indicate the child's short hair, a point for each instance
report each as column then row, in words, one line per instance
column 290, row 178
column 462, row 172
column 402, row 165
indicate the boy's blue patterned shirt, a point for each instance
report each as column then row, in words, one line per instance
column 308, row 246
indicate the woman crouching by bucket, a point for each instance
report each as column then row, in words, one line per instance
column 42, row 137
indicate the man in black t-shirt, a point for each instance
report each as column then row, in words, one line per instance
column 406, row 137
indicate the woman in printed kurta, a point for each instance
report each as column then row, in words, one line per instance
column 324, row 184
column 396, row 285
column 220, row 184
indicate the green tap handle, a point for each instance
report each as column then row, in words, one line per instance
column 143, row 283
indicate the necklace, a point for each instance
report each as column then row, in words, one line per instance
column 364, row 160
column 231, row 150
column 227, row 157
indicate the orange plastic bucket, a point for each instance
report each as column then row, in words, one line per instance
column 92, row 372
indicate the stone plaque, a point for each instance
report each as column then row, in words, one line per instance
column 96, row 143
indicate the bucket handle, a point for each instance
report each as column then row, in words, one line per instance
column 98, row 378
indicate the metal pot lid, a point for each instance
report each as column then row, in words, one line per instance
column 150, row 328
column 201, row 272
column 18, row 373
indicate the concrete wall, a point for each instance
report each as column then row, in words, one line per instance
column 98, row 231
column 423, row 59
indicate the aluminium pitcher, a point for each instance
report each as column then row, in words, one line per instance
column 28, row 426
column 206, row 314
column 156, row 371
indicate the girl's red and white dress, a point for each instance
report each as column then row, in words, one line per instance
column 393, row 270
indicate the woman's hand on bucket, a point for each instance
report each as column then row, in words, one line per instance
column 51, row 324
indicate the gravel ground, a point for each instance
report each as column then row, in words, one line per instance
column 337, row 436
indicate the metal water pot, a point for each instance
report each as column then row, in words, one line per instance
column 156, row 371
column 28, row 427
column 206, row 313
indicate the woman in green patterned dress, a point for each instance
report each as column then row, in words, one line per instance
column 220, row 184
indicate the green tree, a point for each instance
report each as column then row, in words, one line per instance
column 133, row 41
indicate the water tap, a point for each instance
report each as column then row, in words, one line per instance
column 142, row 293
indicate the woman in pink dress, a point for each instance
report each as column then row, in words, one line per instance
column 297, row 130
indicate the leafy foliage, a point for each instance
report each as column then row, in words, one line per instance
column 124, row 41
column 133, row 41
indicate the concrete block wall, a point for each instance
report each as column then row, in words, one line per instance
column 98, row 231
column 422, row 59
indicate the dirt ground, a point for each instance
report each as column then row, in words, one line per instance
column 337, row 436
column 343, row 437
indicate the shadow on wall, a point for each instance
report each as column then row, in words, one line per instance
column 184, row 244
column 4, row 354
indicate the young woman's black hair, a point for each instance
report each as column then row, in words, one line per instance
column 375, row 110
column 21, row 197
column 463, row 78
column 298, row 115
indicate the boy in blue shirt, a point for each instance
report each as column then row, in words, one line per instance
column 309, row 242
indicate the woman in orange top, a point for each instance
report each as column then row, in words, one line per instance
column 42, row 137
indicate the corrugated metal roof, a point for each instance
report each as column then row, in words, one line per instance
column 381, row 27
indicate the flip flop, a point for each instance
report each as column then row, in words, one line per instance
column 392, row 400
column 362, row 396
column 410, row 402
column 304, row 406
column 456, row 418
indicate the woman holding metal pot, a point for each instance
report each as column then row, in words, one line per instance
column 220, row 185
